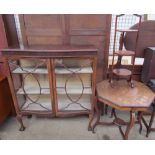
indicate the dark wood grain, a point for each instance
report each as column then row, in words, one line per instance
column 10, row 30
column 70, row 29
column 52, row 51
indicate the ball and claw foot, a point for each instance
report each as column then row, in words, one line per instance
column 22, row 128
column 19, row 119
column 89, row 128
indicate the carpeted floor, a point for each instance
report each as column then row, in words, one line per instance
column 65, row 128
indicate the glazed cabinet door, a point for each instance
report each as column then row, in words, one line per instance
column 30, row 84
column 73, row 85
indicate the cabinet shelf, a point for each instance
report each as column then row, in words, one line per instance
column 124, row 53
column 126, row 30
column 44, row 102
column 122, row 72
column 69, row 70
column 30, row 70
column 33, row 91
column 64, row 104
column 74, row 91
column 46, row 91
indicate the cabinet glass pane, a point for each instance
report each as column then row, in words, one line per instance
column 73, row 83
column 30, row 78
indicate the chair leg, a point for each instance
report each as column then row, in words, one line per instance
column 106, row 109
column 151, row 122
column 132, row 121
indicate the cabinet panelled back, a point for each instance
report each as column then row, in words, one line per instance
column 70, row 29
column 3, row 43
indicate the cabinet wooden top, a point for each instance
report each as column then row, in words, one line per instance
column 52, row 51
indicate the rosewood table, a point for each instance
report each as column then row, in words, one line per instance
column 124, row 98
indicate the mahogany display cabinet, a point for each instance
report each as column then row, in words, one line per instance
column 52, row 81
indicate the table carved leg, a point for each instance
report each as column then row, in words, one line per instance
column 117, row 121
column 98, row 122
column 129, row 126
column 139, row 118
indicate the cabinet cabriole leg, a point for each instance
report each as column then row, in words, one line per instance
column 151, row 122
column 19, row 119
column 98, row 112
column 91, row 116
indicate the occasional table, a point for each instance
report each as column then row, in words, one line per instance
column 124, row 98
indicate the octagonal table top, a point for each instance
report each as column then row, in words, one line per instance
column 123, row 96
